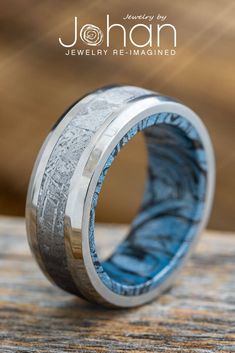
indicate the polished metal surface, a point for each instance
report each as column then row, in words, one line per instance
column 69, row 173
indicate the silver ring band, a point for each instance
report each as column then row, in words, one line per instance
column 69, row 173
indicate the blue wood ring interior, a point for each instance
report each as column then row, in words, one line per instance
column 172, row 207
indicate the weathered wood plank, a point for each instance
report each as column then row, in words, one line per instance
column 196, row 315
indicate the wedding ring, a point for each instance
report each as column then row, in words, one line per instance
column 68, row 176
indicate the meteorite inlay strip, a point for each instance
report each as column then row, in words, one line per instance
column 92, row 112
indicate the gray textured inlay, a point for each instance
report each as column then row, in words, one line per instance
column 92, row 112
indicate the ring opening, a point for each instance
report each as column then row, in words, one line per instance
column 171, row 210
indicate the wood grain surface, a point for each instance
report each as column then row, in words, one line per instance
column 196, row 315
column 38, row 82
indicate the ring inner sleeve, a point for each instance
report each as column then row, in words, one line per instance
column 171, row 208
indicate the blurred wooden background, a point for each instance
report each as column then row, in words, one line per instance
column 38, row 82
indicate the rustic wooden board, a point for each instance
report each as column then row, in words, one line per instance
column 196, row 315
